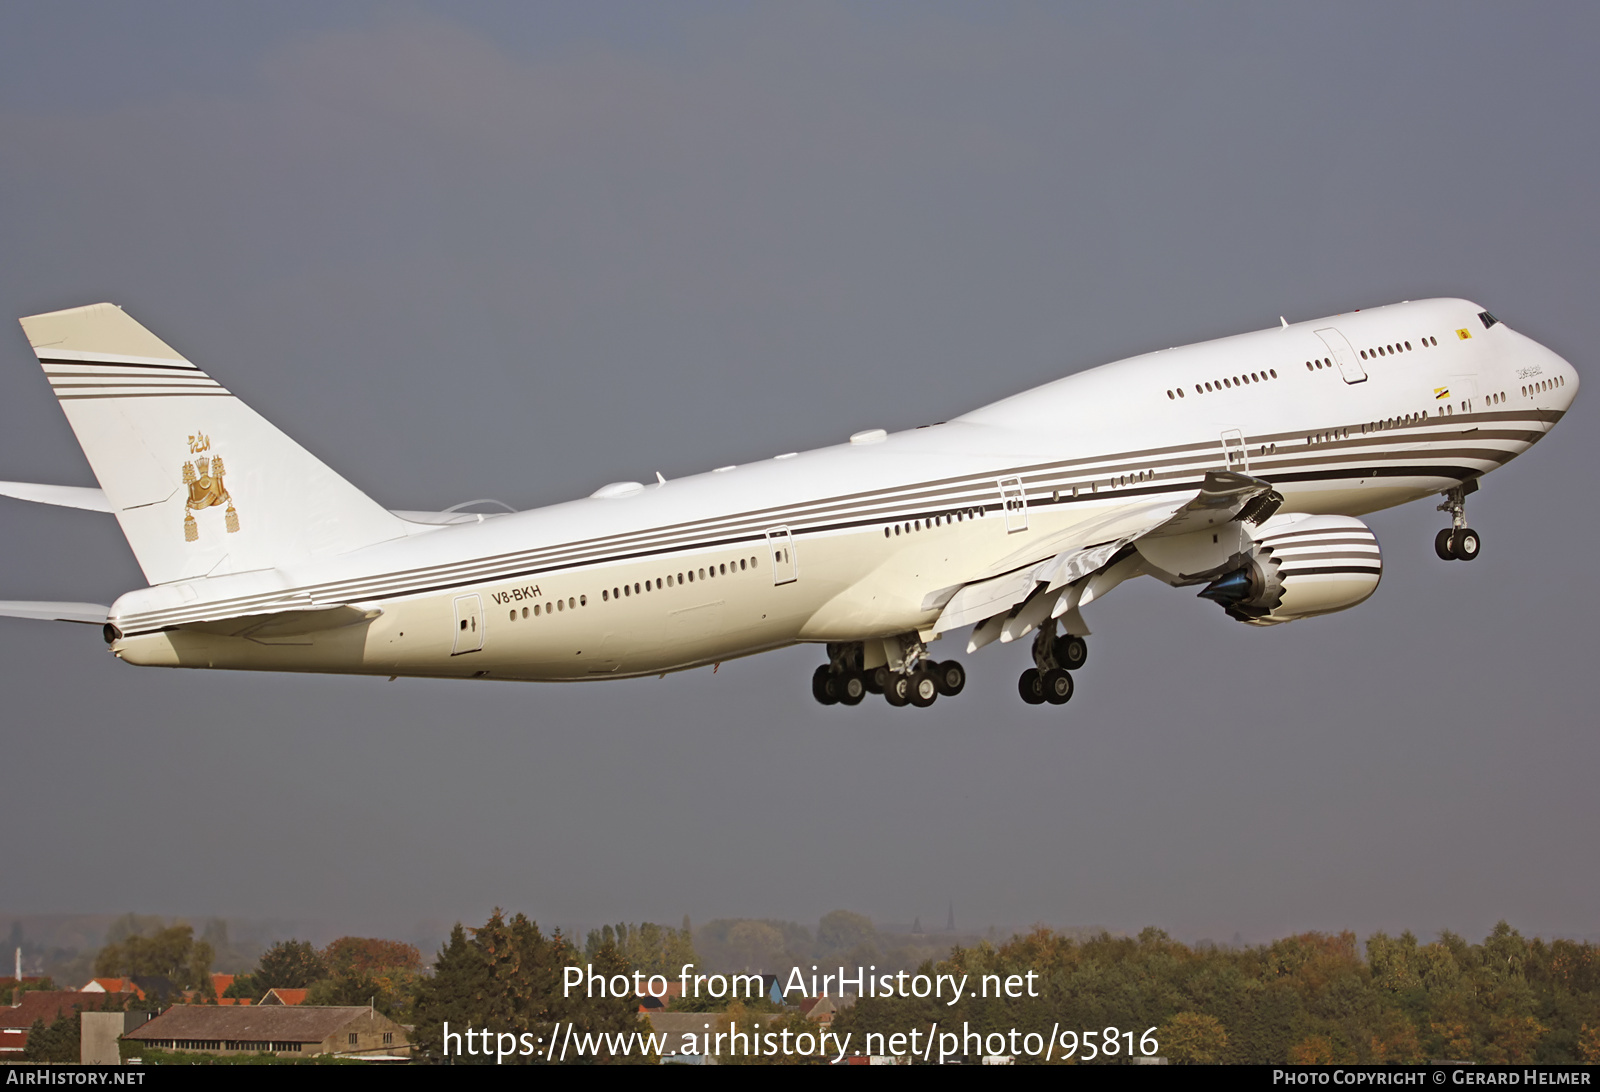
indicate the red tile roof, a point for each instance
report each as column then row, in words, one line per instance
column 46, row 1005
column 282, row 995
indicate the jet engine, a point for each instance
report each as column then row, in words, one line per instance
column 1300, row 566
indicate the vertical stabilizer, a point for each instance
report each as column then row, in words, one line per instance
column 201, row 484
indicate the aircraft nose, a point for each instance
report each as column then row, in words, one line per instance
column 1566, row 383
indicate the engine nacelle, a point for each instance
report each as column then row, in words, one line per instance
column 1300, row 566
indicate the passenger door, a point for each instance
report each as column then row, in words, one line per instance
column 469, row 624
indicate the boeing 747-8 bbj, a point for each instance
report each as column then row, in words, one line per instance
column 1238, row 467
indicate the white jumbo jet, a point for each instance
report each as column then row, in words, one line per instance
column 1236, row 466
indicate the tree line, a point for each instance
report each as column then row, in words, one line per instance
column 1309, row 999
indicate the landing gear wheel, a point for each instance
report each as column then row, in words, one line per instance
column 875, row 678
column 1441, row 544
column 822, row 686
column 1465, row 545
column 1072, row 652
column 1057, row 686
column 924, row 688
column 897, row 690
column 851, row 687
column 1031, row 687
column 951, row 677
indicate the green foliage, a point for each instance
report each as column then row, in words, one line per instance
column 58, row 1043
column 842, row 931
column 507, row 977
column 289, row 964
column 9, row 992
column 1305, row 999
column 651, row 948
column 139, row 946
column 367, row 970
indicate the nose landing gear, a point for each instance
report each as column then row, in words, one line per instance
column 1458, row 542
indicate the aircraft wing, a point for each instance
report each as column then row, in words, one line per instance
column 92, row 613
column 1095, row 558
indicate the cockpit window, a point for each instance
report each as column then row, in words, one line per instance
column 1487, row 319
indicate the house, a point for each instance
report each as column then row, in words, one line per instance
column 284, row 1030
column 283, row 995
column 145, row 987
column 46, row 1006
column 822, row 1010
column 219, row 986
column 674, row 1026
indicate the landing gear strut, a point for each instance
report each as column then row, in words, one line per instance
column 1458, row 542
column 916, row 679
column 1054, row 659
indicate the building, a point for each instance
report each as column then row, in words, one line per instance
column 284, row 1030
column 46, row 1006
column 283, row 995
column 145, row 987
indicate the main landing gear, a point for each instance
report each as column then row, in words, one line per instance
column 1054, row 659
column 1458, row 542
column 919, row 681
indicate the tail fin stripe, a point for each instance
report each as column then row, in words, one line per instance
column 137, row 381
column 109, row 363
column 130, row 371
column 151, row 394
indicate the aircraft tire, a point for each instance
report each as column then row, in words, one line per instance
column 897, row 691
column 1057, row 686
column 1465, row 545
column 821, row 688
column 1031, row 687
column 924, row 688
column 851, row 687
column 952, row 678
column 1072, row 652
column 1442, row 544
column 875, row 679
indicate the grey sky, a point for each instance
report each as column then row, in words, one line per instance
column 519, row 251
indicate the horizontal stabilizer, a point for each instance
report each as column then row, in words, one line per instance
column 92, row 499
column 92, row 613
column 64, row 496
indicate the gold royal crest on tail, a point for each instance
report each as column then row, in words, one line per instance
column 203, row 476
